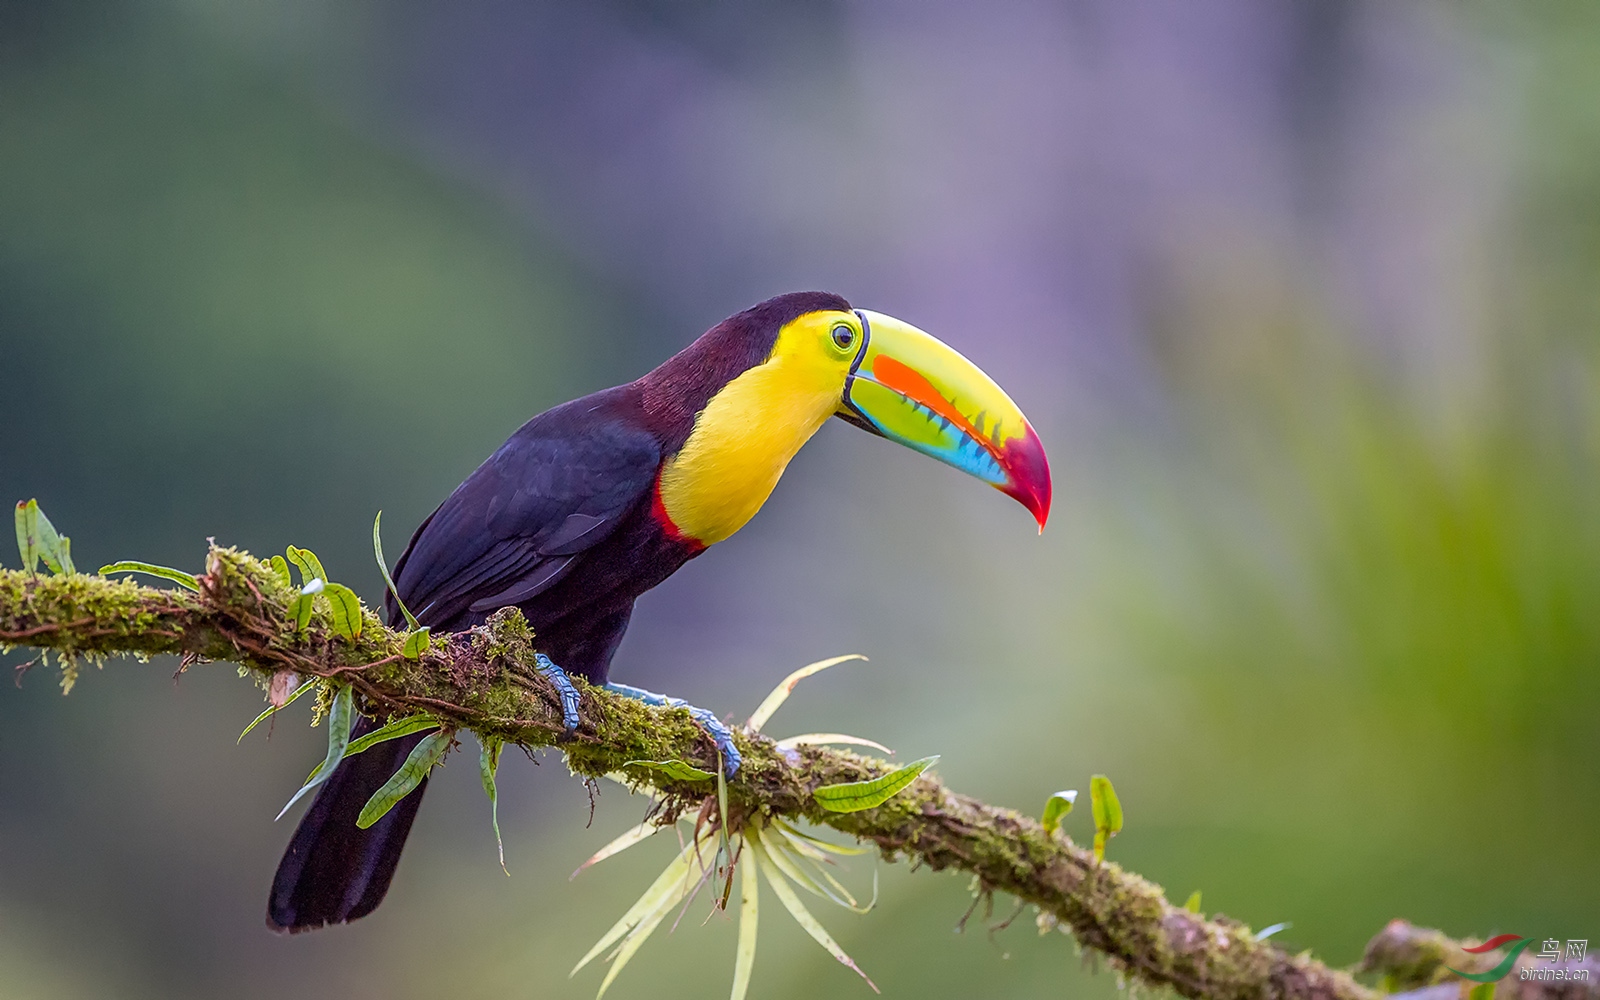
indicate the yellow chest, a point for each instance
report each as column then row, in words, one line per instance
column 741, row 443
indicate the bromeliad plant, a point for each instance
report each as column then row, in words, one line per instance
column 785, row 855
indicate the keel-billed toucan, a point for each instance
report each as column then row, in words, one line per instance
column 592, row 503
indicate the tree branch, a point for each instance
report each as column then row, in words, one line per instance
column 485, row 680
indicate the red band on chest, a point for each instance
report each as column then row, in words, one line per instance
column 658, row 510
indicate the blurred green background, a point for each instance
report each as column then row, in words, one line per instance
column 1302, row 297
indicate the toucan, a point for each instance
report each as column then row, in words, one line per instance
column 592, row 503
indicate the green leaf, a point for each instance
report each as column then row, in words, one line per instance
column 722, row 827
column 1056, row 807
column 308, row 564
column 299, row 610
column 422, row 759
column 1107, row 813
column 281, row 568
column 417, row 643
column 37, row 539
column 1482, row 991
column 674, row 769
column 393, row 731
column 797, row 909
column 795, row 832
column 779, row 849
column 744, row 957
column 47, row 540
column 1193, row 905
column 793, row 851
column 671, row 882
column 264, row 716
column 646, row 914
column 177, row 576
column 339, row 718
column 346, row 608
column 27, row 517
column 638, row 834
column 388, row 581
column 781, row 693
column 854, row 796
column 822, row 739
column 488, row 764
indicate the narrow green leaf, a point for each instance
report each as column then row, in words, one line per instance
column 177, row 576
column 669, row 888
column 804, row 852
column 488, row 764
column 744, row 957
column 1107, row 813
column 65, row 555
column 781, row 693
column 854, row 796
column 422, row 760
column 670, row 896
column 797, row 909
column 417, row 643
column 1056, row 807
column 644, row 831
column 676, row 769
column 779, row 849
column 27, row 517
column 308, row 564
column 393, row 731
column 388, row 581
column 819, row 843
column 346, row 608
column 822, row 739
column 722, row 828
column 264, row 716
column 339, row 719
column 280, row 567
column 1193, row 905
column 1482, row 991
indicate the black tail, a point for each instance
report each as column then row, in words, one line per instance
column 334, row 871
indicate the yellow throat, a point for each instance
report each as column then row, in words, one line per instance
column 744, row 438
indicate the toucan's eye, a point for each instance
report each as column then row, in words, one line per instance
column 843, row 337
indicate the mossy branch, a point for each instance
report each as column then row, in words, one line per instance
column 485, row 681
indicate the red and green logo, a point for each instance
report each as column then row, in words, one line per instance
column 1504, row 968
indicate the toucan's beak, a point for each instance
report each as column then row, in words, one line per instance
column 909, row 387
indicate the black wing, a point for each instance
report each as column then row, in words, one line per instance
column 518, row 524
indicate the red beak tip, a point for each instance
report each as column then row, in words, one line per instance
column 1029, row 475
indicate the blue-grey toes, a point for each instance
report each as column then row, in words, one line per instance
column 720, row 733
column 563, row 683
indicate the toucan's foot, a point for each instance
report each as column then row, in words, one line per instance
column 720, row 733
column 564, row 688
